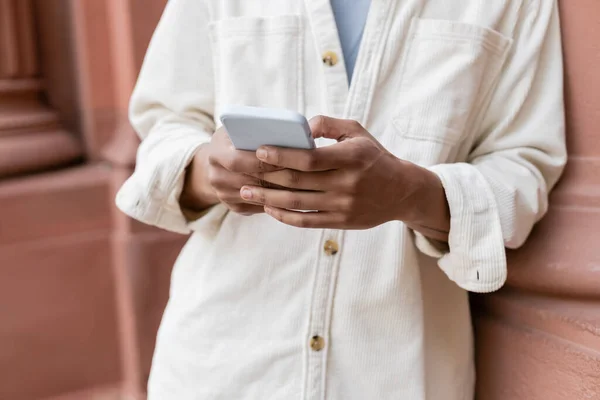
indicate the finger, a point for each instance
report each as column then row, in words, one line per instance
column 223, row 180
column 240, row 161
column 334, row 128
column 300, row 180
column 232, row 195
column 321, row 159
column 292, row 200
column 246, row 209
column 320, row 220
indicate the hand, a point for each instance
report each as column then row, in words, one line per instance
column 217, row 173
column 353, row 184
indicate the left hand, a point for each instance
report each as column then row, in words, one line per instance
column 353, row 184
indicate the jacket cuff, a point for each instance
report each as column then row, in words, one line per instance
column 151, row 194
column 476, row 256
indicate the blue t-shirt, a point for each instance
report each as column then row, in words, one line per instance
column 350, row 17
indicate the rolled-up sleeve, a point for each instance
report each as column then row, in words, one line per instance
column 497, row 196
column 172, row 110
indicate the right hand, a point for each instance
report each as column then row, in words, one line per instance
column 218, row 172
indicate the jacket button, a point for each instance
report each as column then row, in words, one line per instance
column 330, row 58
column 331, row 247
column 317, row 343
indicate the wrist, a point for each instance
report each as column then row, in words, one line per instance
column 425, row 206
column 197, row 193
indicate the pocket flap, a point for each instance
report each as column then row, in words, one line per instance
column 240, row 26
column 422, row 131
column 453, row 30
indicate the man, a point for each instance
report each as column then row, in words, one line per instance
column 441, row 133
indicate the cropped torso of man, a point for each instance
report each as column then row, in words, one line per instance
column 281, row 306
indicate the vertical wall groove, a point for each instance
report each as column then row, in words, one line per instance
column 32, row 138
column 25, row 28
column 9, row 45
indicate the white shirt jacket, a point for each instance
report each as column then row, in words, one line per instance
column 471, row 89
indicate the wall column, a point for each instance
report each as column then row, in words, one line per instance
column 31, row 136
column 142, row 256
column 539, row 338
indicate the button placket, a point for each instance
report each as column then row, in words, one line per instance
column 323, row 25
column 318, row 333
column 318, row 341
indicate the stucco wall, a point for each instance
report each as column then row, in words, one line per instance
column 82, row 288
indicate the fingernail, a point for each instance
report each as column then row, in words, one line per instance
column 262, row 154
column 246, row 193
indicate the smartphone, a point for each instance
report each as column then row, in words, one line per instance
column 252, row 127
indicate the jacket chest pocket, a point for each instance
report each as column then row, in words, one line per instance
column 258, row 61
column 449, row 71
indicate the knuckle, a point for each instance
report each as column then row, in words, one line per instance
column 293, row 177
column 277, row 215
column 299, row 221
column 320, row 121
column 295, row 202
column 262, row 167
column 355, row 125
column 319, row 125
column 304, row 222
column 347, row 203
column 213, row 177
column 212, row 159
column 262, row 198
column 346, row 219
column 355, row 183
column 352, row 184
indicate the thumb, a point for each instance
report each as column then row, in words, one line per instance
column 334, row 128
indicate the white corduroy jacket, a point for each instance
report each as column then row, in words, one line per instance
column 259, row 310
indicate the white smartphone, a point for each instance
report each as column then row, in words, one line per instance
column 252, row 127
